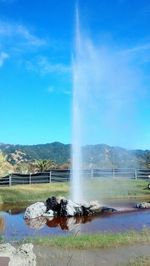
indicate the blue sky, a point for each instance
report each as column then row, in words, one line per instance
column 36, row 48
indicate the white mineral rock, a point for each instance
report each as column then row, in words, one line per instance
column 23, row 256
column 35, row 210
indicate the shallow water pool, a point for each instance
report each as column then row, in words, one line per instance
column 14, row 227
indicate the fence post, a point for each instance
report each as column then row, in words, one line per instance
column 30, row 178
column 135, row 173
column 113, row 172
column 10, row 180
column 50, row 176
column 91, row 173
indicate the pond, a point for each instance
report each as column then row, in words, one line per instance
column 14, row 227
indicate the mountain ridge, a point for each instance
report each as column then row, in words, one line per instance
column 95, row 155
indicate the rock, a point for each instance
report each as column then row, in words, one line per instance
column 143, row 205
column 85, row 204
column 61, row 207
column 35, row 210
column 70, row 211
column 23, row 256
column 107, row 210
column 53, row 204
column 49, row 213
column 6, row 249
column 95, row 206
column 73, row 208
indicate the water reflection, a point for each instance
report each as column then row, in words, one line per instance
column 2, row 224
column 13, row 208
column 64, row 223
column 14, row 227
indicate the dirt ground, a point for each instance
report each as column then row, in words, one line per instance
column 48, row 256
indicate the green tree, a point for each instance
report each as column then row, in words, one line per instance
column 22, row 167
column 45, row 165
column 5, row 166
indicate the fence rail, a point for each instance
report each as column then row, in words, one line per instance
column 64, row 176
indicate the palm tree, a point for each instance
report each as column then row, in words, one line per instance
column 44, row 165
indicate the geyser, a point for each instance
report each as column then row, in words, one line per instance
column 104, row 89
column 76, row 178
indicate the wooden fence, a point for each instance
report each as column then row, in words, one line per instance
column 44, row 177
column 64, row 176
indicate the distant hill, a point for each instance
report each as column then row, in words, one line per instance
column 56, row 151
column 105, row 156
column 100, row 155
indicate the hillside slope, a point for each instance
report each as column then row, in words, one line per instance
column 100, row 155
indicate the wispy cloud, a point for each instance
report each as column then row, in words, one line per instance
column 18, row 37
column 29, row 37
column 3, row 57
column 18, row 42
column 21, row 43
column 138, row 48
column 46, row 67
column 43, row 66
column 139, row 54
column 58, row 90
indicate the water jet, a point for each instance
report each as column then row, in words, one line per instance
column 102, row 89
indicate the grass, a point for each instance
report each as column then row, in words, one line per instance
column 98, row 189
column 91, row 241
column 30, row 193
column 118, row 188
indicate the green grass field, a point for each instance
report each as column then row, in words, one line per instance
column 31, row 193
column 102, row 189
column 117, row 188
column 101, row 240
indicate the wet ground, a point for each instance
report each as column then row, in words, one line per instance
column 13, row 226
column 102, row 257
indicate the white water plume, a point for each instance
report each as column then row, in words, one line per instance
column 105, row 86
column 76, row 178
